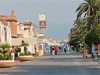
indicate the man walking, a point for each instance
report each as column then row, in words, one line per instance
column 55, row 50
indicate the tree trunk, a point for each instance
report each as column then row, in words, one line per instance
column 92, row 49
column 93, row 14
column 94, row 19
column 92, row 46
column 25, row 49
column 94, row 23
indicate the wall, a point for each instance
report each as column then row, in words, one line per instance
column 26, row 33
column 17, row 41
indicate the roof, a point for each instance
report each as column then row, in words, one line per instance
column 41, row 37
column 5, row 23
column 2, row 16
column 27, row 22
column 20, row 23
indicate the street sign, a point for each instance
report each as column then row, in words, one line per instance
column 42, row 17
column 42, row 24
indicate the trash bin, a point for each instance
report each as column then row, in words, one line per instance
column 84, row 53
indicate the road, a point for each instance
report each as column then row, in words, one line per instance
column 71, row 63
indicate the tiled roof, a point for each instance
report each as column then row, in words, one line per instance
column 5, row 23
column 41, row 37
column 2, row 16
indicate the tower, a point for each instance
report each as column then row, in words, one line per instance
column 42, row 21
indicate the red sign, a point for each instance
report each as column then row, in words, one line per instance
column 99, row 49
column 42, row 24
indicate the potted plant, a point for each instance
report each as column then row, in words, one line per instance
column 26, row 56
column 18, row 50
column 13, row 53
column 24, row 44
column 6, row 57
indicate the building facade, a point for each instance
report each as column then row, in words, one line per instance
column 5, row 32
column 13, row 32
column 13, row 20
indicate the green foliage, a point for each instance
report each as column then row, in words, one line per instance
column 8, row 56
column 5, row 46
column 24, row 43
column 18, row 50
column 25, row 53
column 93, row 36
column 88, row 39
column 2, row 57
column 73, row 42
column 90, row 8
column 5, row 52
column 86, row 29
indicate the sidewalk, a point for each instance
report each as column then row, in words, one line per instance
column 96, row 59
column 71, row 63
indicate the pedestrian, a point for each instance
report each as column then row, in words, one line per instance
column 68, row 48
column 55, row 50
column 51, row 50
column 64, row 48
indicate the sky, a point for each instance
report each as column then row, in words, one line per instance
column 60, row 14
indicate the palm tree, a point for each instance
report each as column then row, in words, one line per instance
column 4, row 48
column 89, row 7
column 5, row 52
column 24, row 44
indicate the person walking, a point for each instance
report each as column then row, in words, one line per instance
column 55, row 50
column 51, row 50
column 68, row 47
column 59, row 47
column 64, row 48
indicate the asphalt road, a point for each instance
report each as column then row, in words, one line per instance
column 71, row 63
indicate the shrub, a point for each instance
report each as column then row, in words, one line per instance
column 18, row 50
column 25, row 53
column 5, row 52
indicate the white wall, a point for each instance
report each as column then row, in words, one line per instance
column 31, row 48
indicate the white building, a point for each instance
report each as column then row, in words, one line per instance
column 30, row 38
column 5, row 32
